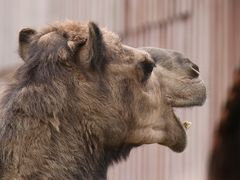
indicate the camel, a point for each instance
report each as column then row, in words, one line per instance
column 82, row 100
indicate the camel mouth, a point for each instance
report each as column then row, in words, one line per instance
column 177, row 129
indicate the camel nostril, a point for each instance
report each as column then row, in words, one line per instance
column 195, row 67
column 194, row 71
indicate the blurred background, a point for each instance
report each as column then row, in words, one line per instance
column 207, row 31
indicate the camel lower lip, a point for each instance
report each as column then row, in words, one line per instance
column 177, row 137
column 180, row 141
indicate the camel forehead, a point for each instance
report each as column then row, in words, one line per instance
column 110, row 38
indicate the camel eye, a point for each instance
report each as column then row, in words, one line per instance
column 147, row 68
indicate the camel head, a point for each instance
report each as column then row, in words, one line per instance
column 121, row 95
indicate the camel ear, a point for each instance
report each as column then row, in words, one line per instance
column 25, row 36
column 97, row 48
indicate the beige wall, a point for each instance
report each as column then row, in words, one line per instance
column 207, row 31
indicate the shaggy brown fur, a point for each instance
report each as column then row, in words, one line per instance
column 82, row 100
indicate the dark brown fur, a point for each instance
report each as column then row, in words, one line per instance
column 225, row 156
